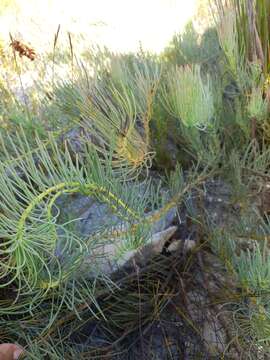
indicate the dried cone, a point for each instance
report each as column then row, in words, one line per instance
column 23, row 49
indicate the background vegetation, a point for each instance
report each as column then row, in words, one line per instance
column 103, row 125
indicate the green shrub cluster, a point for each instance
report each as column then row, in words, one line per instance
column 199, row 110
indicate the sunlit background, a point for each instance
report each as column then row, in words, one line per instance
column 122, row 25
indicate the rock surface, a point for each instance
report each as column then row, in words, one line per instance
column 87, row 217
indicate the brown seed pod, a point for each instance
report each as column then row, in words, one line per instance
column 23, row 49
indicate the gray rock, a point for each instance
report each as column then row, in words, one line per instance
column 87, row 217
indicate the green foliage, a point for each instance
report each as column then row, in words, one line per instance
column 188, row 97
column 191, row 48
column 115, row 109
column 30, row 190
column 252, row 28
column 228, row 37
column 184, row 48
column 189, row 108
column 243, row 245
column 32, row 177
column 243, row 32
column 257, row 106
column 209, row 45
